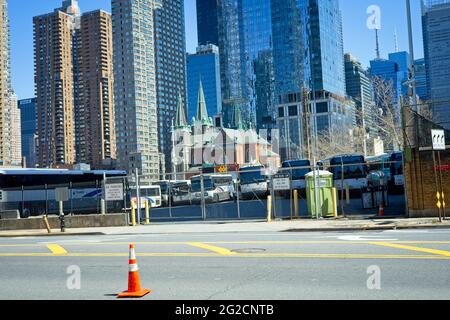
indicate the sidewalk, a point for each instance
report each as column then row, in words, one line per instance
column 244, row 226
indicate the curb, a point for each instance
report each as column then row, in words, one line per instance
column 369, row 228
column 52, row 234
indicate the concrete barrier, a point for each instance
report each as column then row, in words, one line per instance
column 78, row 221
column 10, row 214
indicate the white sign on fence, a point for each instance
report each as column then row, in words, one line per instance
column 114, row 192
column 281, row 184
column 438, row 138
column 62, row 194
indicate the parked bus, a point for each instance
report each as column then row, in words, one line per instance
column 165, row 186
column 380, row 163
column 181, row 193
column 297, row 169
column 32, row 191
column 216, row 188
column 397, row 182
column 253, row 182
column 348, row 170
column 151, row 193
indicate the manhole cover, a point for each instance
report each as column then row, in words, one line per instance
column 250, row 250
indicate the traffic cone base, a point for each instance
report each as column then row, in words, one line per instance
column 136, row 294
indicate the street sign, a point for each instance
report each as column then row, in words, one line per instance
column 62, row 194
column 114, row 192
column 222, row 169
column 281, row 183
column 438, row 138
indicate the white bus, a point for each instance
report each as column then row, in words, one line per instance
column 32, row 191
column 253, row 182
column 150, row 193
column 349, row 170
column 181, row 193
column 216, row 188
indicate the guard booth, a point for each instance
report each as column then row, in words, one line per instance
column 376, row 192
column 325, row 194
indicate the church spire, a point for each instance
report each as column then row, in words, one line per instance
column 180, row 118
column 202, row 112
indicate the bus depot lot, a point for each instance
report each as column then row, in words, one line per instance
column 257, row 209
column 413, row 264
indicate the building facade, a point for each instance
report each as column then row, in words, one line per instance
column 436, row 39
column 309, row 67
column 207, row 22
column 94, row 107
column 135, row 86
column 204, row 66
column 421, row 79
column 170, row 59
column 55, row 47
column 28, row 128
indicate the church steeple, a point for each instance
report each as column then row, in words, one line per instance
column 180, row 118
column 202, row 112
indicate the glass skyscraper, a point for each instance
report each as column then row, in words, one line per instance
column 28, row 126
column 135, row 86
column 170, row 55
column 207, row 23
column 204, row 66
column 436, row 39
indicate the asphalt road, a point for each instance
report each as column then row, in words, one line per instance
column 412, row 265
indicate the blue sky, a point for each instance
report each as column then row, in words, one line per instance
column 358, row 40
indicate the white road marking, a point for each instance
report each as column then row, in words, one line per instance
column 363, row 238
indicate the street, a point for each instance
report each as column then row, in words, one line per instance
column 412, row 264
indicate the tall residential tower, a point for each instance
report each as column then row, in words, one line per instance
column 135, row 86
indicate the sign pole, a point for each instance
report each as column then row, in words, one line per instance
column 441, row 187
column 437, row 187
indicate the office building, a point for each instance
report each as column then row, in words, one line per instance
column 436, row 39
column 204, row 66
column 308, row 61
column 28, row 128
column 421, row 79
column 135, row 86
column 207, row 22
column 170, row 59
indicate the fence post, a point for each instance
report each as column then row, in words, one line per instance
column 296, row 203
column 347, row 193
column 147, row 212
column 269, row 209
column 334, row 190
column 133, row 214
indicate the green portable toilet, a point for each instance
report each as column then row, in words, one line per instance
column 324, row 193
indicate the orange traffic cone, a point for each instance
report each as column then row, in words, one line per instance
column 381, row 209
column 134, row 284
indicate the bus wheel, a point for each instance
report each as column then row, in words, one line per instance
column 216, row 198
column 25, row 213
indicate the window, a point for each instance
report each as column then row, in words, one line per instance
column 293, row 111
column 281, row 112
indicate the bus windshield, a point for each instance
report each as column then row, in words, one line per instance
column 354, row 167
column 253, row 175
column 303, row 168
column 222, row 180
column 196, row 185
column 147, row 192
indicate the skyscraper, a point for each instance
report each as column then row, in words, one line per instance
column 257, row 61
column 308, row 61
column 10, row 153
column 421, row 79
column 135, row 86
column 28, row 127
column 436, row 39
column 54, row 51
column 207, row 22
column 204, row 65
column 170, row 59
column 75, row 108
column 94, row 108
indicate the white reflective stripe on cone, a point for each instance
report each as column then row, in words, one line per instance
column 132, row 254
column 133, row 267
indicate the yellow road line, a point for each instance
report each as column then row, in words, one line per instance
column 56, row 249
column 219, row 250
column 411, row 248
column 236, row 255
